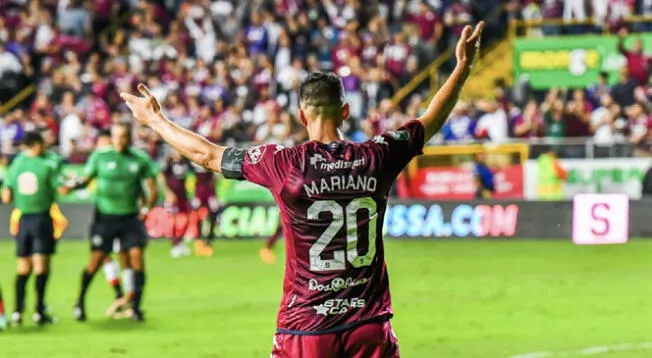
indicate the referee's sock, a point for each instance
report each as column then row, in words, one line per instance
column 87, row 277
column 21, row 282
column 41, row 283
column 139, row 285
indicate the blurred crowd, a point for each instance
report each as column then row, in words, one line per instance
column 230, row 69
column 579, row 16
column 227, row 69
column 608, row 113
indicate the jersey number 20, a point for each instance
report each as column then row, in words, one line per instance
column 348, row 214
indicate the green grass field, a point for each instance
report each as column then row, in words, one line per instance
column 451, row 299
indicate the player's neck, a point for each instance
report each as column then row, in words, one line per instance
column 324, row 132
column 33, row 153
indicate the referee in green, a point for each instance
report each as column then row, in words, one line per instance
column 32, row 182
column 120, row 172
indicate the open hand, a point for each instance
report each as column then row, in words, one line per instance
column 146, row 108
column 469, row 44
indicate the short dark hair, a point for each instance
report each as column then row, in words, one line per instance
column 32, row 139
column 322, row 89
column 104, row 133
column 127, row 126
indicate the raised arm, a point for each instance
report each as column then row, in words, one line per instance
column 147, row 110
column 442, row 104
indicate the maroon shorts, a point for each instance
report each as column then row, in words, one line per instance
column 181, row 206
column 205, row 198
column 371, row 340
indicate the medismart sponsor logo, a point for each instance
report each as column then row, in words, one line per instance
column 336, row 284
column 319, row 162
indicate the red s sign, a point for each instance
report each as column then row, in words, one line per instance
column 600, row 216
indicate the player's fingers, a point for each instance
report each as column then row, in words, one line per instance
column 477, row 32
column 144, row 90
column 466, row 32
column 128, row 97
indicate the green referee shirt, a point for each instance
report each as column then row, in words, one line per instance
column 119, row 177
column 34, row 181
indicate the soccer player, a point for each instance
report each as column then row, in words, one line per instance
column 175, row 172
column 32, row 183
column 206, row 199
column 332, row 195
column 120, row 171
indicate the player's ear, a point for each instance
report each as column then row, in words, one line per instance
column 346, row 111
column 302, row 117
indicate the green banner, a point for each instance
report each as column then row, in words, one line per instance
column 228, row 191
column 570, row 61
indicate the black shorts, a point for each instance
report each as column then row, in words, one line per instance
column 127, row 229
column 35, row 235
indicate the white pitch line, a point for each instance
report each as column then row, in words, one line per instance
column 588, row 350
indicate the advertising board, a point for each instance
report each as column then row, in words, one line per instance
column 570, row 61
column 451, row 183
column 600, row 219
column 486, row 220
column 618, row 175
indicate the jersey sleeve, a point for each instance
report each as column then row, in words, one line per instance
column 57, row 173
column 10, row 182
column 150, row 169
column 267, row 165
column 402, row 145
column 90, row 170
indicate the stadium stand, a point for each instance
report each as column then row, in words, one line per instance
column 229, row 69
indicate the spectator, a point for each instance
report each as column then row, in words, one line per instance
column 492, row 124
column 623, row 91
column 529, row 124
column 553, row 119
column 95, row 110
column 397, row 54
column 606, row 121
column 256, row 35
column 74, row 20
column 637, row 61
column 597, row 90
column 273, row 130
column 459, row 127
column 619, row 10
column 484, row 177
column 640, row 128
column 551, row 10
column 643, row 8
column 531, row 12
column 10, row 65
column 71, row 127
column 600, row 9
column 574, row 10
column 576, row 119
column 430, row 28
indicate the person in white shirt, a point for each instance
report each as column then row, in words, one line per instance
column 493, row 123
column 574, row 9
column 8, row 62
column 605, row 120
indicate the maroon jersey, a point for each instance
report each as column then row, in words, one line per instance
column 332, row 200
